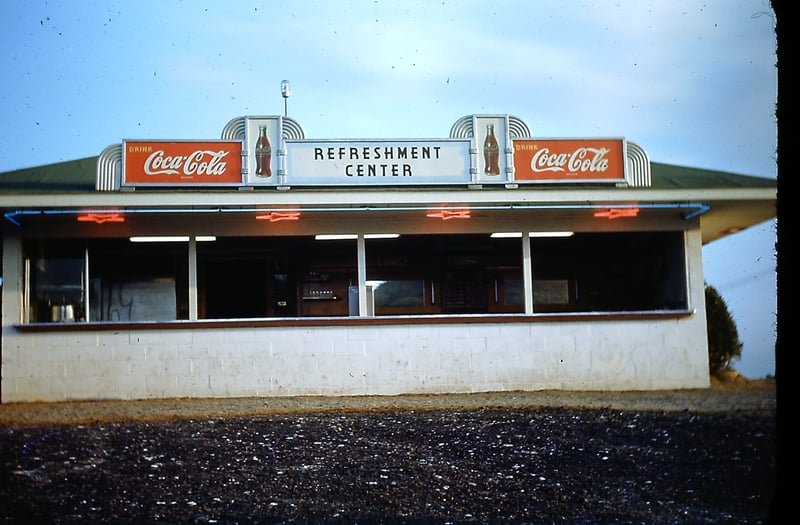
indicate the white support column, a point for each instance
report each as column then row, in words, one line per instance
column 14, row 289
column 363, row 308
column 527, row 272
column 85, row 284
column 193, row 278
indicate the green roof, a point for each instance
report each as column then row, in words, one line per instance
column 79, row 176
column 667, row 176
column 71, row 176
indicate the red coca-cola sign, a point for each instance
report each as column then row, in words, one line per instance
column 182, row 163
column 574, row 160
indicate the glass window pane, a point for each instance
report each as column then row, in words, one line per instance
column 514, row 292
column 630, row 271
column 398, row 293
column 56, row 280
column 258, row 277
column 138, row 281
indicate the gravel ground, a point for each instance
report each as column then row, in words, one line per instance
column 692, row 456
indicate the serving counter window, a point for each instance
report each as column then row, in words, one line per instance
column 300, row 276
column 257, row 277
column 445, row 274
column 104, row 280
column 55, row 281
column 133, row 281
column 609, row 272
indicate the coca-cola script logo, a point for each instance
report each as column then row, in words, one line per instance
column 200, row 162
column 582, row 160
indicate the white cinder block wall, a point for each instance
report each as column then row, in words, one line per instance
column 355, row 360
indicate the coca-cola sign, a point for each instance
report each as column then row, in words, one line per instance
column 575, row 160
column 182, row 163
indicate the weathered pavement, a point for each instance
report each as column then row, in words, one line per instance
column 737, row 395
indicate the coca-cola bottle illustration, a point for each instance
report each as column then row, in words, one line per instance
column 263, row 153
column 491, row 152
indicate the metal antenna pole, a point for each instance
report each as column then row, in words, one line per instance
column 286, row 91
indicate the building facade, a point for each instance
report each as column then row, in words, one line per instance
column 264, row 263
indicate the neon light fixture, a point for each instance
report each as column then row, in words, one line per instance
column 616, row 213
column 101, row 218
column 446, row 215
column 275, row 216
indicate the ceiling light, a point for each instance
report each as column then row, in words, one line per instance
column 160, row 238
column 335, row 236
column 552, row 234
column 517, row 235
column 346, row 236
column 171, row 238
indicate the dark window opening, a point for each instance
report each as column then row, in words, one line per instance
column 299, row 276
column 236, row 277
column 446, row 274
column 591, row 272
column 138, row 281
column 256, row 277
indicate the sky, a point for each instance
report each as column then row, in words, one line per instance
column 692, row 82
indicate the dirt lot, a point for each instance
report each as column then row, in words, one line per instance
column 695, row 456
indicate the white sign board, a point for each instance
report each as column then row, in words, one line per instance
column 372, row 163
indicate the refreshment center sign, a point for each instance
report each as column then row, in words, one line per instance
column 396, row 162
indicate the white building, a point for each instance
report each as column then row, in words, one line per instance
column 349, row 267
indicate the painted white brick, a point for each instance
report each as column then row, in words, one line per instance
column 482, row 331
column 354, row 360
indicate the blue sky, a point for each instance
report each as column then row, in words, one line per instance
column 693, row 83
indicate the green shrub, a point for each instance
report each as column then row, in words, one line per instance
column 724, row 345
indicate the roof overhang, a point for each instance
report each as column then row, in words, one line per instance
column 720, row 211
